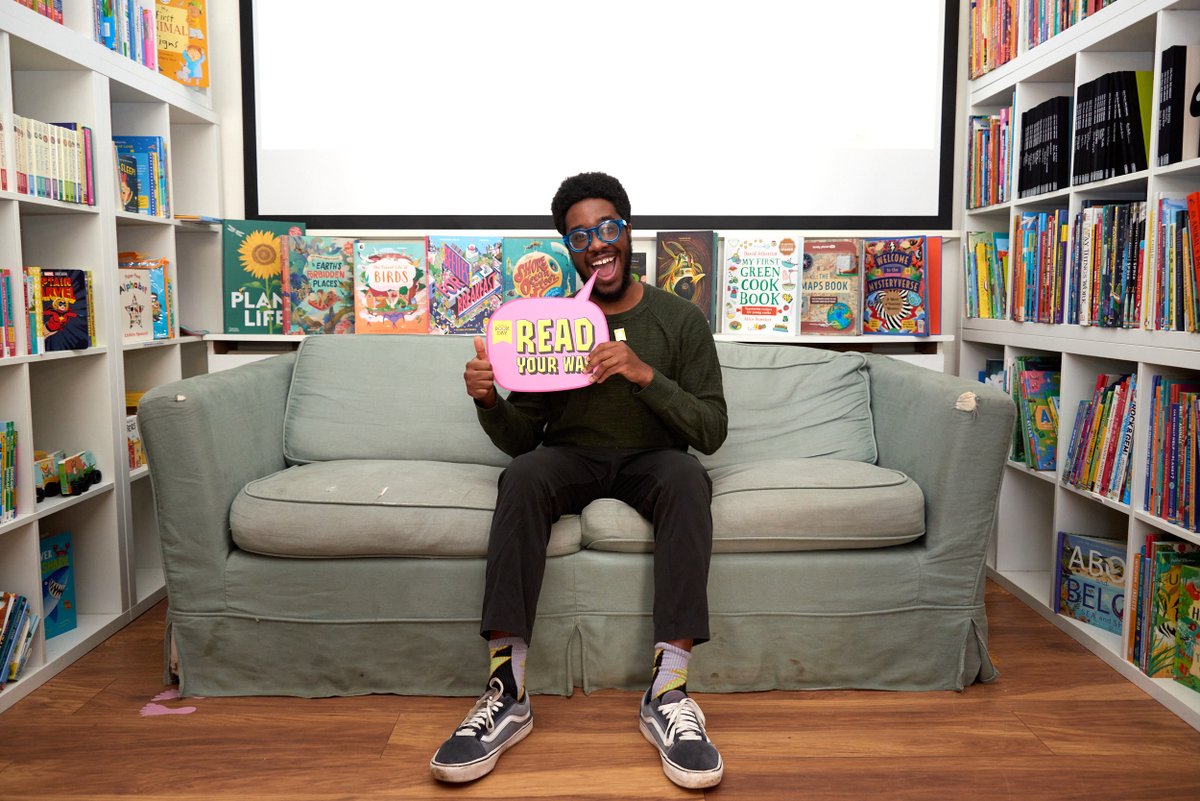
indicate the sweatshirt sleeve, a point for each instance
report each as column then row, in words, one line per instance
column 694, row 406
column 516, row 424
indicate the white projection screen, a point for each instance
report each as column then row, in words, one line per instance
column 467, row 114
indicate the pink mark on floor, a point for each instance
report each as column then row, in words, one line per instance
column 153, row 708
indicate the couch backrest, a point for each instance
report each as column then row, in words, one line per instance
column 384, row 397
column 789, row 401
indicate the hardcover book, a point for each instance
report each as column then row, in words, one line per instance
column 1187, row 628
column 252, row 287
column 67, row 309
column 318, row 284
column 1167, row 566
column 1039, row 392
column 136, row 308
column 58, row 584
column 831, row 294
column 686, row 265
column 761, row 285
column 391, row 288
column 183, row 41
column 465, row 282
column 127, row 182
column 1090, row 580
column 536, row 268
column 894, row 287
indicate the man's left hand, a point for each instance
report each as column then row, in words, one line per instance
column 616, row 358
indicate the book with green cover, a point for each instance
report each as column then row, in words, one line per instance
column 252, row 292
column 1187, row 628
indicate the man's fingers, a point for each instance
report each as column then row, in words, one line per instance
column 480, row 351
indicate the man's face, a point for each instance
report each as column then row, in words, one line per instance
column 610, row 260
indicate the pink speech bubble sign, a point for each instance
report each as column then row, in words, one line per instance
column 542, row 344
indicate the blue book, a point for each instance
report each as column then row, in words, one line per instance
column 1090, row 580
column 58, row 584
column 159, row 303
column 13, row 636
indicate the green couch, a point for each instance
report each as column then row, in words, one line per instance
column 324, row 520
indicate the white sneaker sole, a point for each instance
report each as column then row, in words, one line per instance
column 456, row 774
column 690, row 779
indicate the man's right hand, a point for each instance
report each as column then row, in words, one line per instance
column 478, row 376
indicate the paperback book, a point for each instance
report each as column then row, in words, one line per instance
column 252, row 286
column 137, row 313
column 831, row 295
column 318, row 284
column 58, row 584
column 67, row 309
column 391, row 288
column 465, row 282
column 761, row 285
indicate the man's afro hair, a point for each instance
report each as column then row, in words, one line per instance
column 583, row 186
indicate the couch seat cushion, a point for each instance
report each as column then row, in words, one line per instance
column 376, row 507
column 784, row 505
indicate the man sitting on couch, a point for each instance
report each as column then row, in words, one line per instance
column 655, row 390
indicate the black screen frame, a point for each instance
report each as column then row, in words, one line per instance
column 942, row 220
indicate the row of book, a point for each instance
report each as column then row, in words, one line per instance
column 8, row 314
column 991, row 35
column 146, row 298
column 18, row 624
column 1178, row 124
column 60, row 305
column 1099, row 456
column 142, row 182
column 48, row 159
column 989, row 151
column 1112, row 126
column 1034, row 386
column 51, row 9
column 277, row 280
column 1039, row 259
column 1172, row 491
column 1164, row 612
column 1045, row 19
column 1107, row 264
column 1172, row 289
column 1045, row 148
column 986, row 260
column 8, row 470
column 169, row 36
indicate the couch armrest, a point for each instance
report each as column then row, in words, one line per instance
column 205, row 438
column 955, row 451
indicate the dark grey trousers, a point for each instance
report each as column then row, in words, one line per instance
column 670, row 488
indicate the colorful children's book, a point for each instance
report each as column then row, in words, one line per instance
column 133, row 439
column 58, row 584
column 318, row 284
column 160, row 302
column 391, row 288
column 67, row 309
column 183, row 41
column 637, row 266
column 762, row 291
column 1090, row 580
column 686, row 265
column 832, row 287
column 1169, row 558
column 136, row 310
column 252, row 288
column 127, row 181
column 894, row 287
column 536, row 268
column 1038, row 394
column 466, row 278
column 1187, row 628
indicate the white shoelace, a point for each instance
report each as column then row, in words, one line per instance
column 685, row 721
column 482, row 715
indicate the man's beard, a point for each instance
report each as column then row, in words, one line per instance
column 626, row 280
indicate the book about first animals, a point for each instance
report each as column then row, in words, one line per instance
column 466, row 278
column 391, row 288
column 894, row 287
column 182, row 29
column 536, row 268
column 251, row 283
column 318, row 284
column 762, row 285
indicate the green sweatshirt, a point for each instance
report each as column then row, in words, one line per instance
column 683, row 406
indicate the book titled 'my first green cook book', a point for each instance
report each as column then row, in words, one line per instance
column 252, row 289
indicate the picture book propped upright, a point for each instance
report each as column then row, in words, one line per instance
column 465, row 281
column 252, row 284
column 391, row 288
column 894, row 287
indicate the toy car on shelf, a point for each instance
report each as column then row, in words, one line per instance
column 45, row 474
column 78, row 473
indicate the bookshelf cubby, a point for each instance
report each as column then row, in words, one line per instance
column 1127, row 35
column 75, row 400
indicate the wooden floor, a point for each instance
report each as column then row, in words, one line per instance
column 1058, row 724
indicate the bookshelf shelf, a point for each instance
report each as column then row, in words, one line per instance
column 75, row 400
column 1126, row 35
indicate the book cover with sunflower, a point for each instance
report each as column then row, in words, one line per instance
column 253, row 292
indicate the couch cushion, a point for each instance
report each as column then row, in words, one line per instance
column 376, row 508
column 784, row 505
column 384, row 397
column 786, row 401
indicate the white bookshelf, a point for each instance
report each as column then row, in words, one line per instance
column 76, row 400
column 1129, row 34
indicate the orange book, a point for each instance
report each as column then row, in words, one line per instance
column 182, row 28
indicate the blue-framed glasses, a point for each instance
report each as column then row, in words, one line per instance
column 608, row 231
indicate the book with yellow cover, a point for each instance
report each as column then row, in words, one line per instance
column 182, row 27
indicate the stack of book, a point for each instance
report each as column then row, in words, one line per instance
column 51, row 160
column 142, row 172
column 1178, row 126
column 1039, row 259
column 989, row 154
column 1165, row 610
column 1172, row 259
column 1112, row 126
column 991, row 35
column 1099, row 457
column 1173, row 451
column 986, row 260
column 1106, row 264
column 18, row 622
column 1045, row 148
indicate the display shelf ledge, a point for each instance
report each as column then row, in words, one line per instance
column 1044, row 475
column 1167, row 526
column 44, row 205
column 139, row 473
column 57, row 504
column 1095, row 496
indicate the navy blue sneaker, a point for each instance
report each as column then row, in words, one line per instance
column 495, row 724
column 674, row 725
